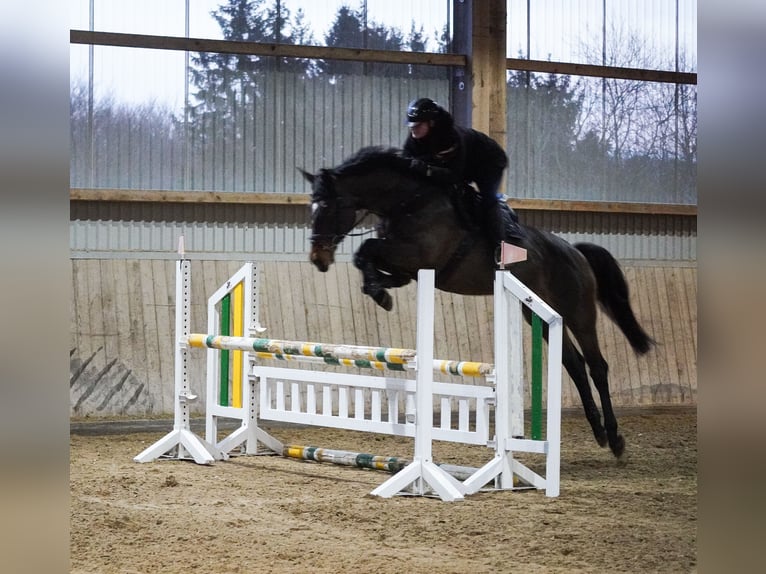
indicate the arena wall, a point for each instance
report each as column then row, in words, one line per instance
column 121, row 353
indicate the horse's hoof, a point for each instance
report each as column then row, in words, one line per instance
column 601, row 438
column 621, row 462
column 383, row 299
column 618, row 446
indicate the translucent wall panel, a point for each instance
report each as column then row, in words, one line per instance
column 687, row 35
column 134, row 17
column 201, row 21
column 646, row 34
column 641, row 34
column 137, row 76
column 79, row 14
column 310, row 22
column 568, row 137
column 255, row 141
column 552, row 29
column 581, row 138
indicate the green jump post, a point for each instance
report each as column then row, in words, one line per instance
column 537, row 377
column 223, row 396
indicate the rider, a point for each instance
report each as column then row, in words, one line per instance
column 458, row 155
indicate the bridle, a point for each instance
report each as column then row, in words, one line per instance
column 324, row 202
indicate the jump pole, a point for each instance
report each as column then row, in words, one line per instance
column 390, row 464
column 378, row 358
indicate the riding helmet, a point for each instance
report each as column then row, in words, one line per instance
column 422, row 110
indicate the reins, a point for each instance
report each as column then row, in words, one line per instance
column 336, row 237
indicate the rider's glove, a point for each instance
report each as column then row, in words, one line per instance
column 421, row 167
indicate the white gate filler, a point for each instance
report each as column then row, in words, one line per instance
column 379, row 404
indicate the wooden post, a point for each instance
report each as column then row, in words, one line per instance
column 488, row 55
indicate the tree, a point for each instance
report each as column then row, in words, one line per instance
column 418, row 42
column 123, row 146
column 547, row 109
column 351, row 29
column 648, row 128
column 621, row 115
column 227, row 80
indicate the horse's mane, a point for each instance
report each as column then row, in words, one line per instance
column 372, row 157
column 364, row 161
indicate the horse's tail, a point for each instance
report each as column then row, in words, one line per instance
column 614, row 296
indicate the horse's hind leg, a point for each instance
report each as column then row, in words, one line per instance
column 575, row 365
column 599, row 373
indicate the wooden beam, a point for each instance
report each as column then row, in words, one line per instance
column 225, row 197
column 362, row 55
column 604, row 206
column 261, row 49
column 601, row 71
column 162, row 196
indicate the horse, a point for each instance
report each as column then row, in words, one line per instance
column 421, row 228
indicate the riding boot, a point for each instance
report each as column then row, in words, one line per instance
column 502, row 225
column 495, row 224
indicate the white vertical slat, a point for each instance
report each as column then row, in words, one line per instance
column 446, row 413
column 358, row 404
column 327, row 400
column 375, row 406
column 295, row 397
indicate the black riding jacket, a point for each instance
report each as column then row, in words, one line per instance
column 464, row 154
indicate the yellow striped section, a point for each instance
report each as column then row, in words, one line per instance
column 471, row 369
column 294, row 451
column 307, row 349
column 395, row 356
column 197, row 340
column 238, row 330
column 465, row 368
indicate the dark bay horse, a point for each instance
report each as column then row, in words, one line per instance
column 421, row 229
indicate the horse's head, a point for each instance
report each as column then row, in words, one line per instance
column 332, row 217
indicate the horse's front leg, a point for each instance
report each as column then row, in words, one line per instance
column 377, row 275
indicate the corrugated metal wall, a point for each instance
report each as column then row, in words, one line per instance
column 282, row 232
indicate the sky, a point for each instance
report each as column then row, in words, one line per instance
column 559, row 31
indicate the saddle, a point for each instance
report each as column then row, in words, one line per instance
column 471, row 216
